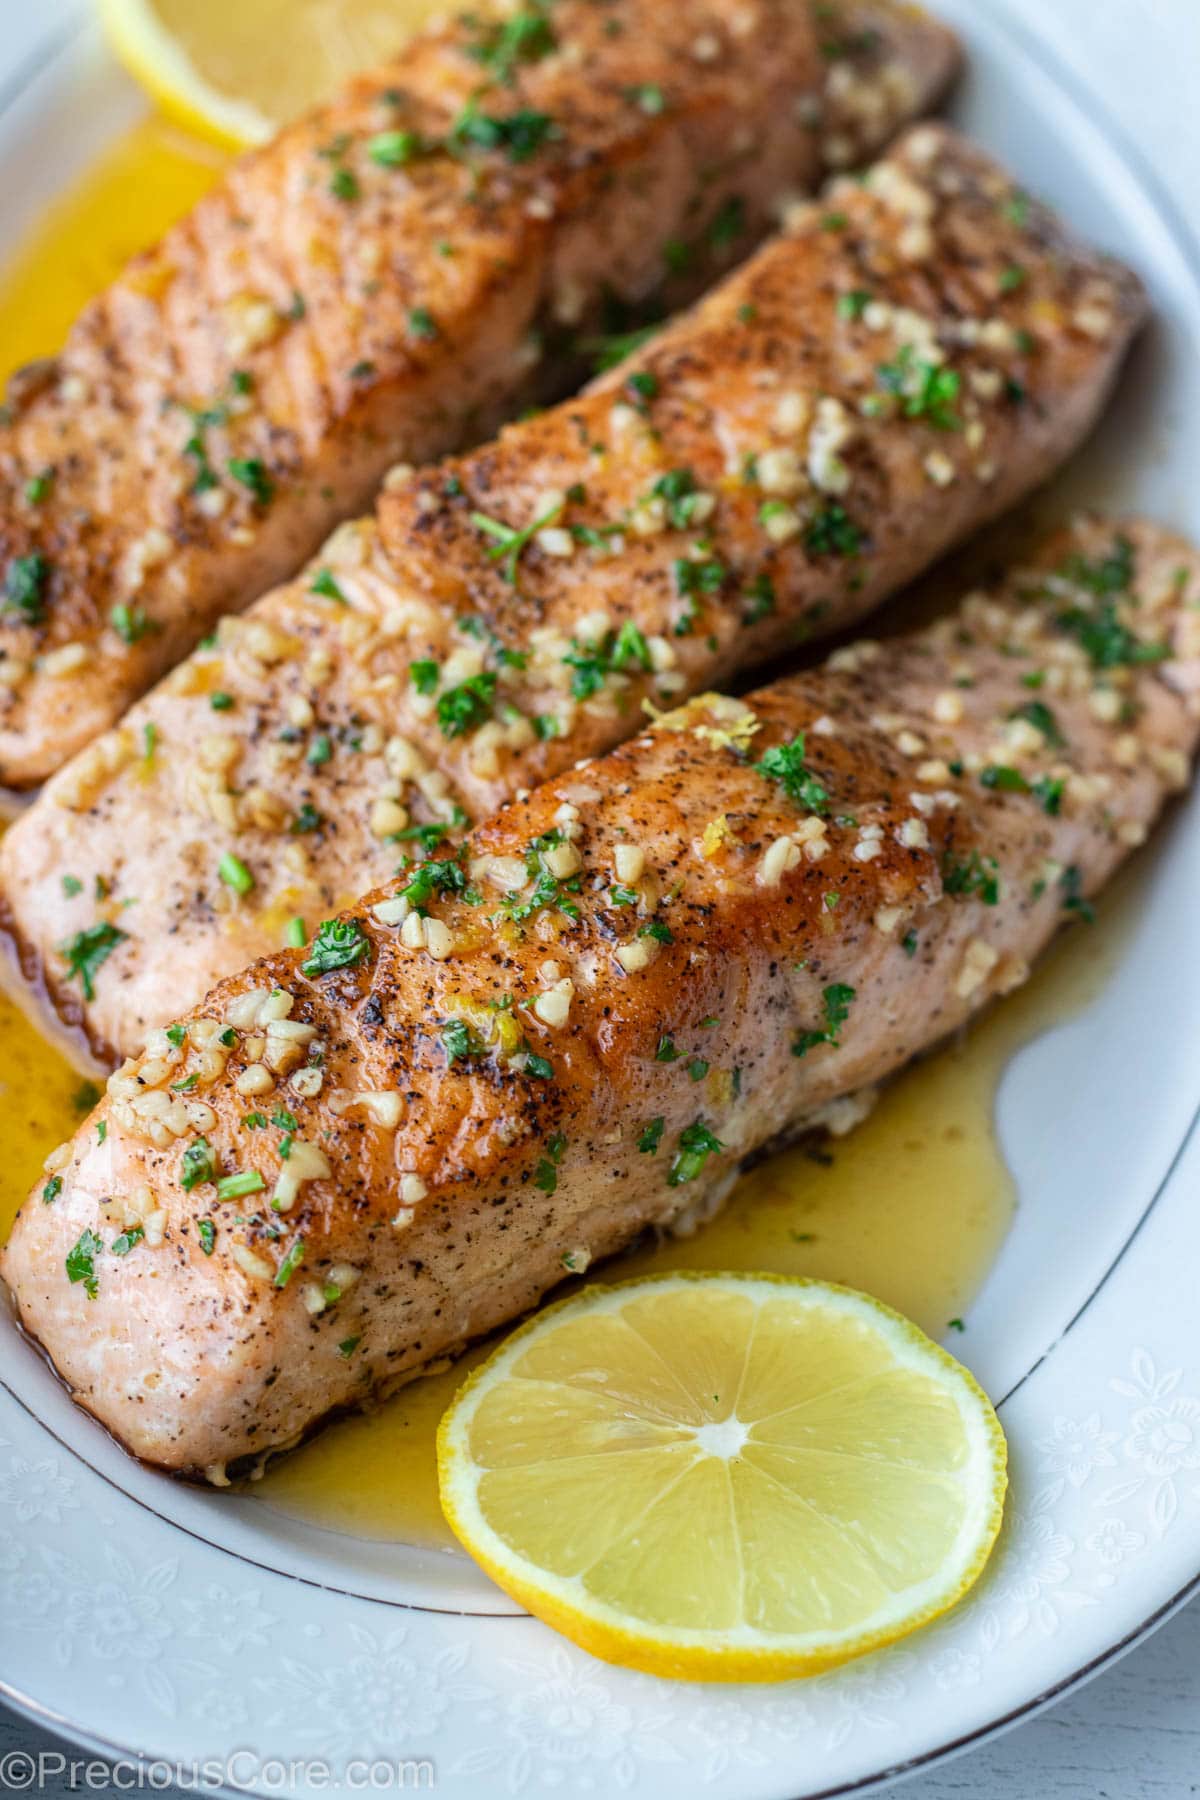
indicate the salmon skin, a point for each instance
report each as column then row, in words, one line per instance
column 914, row 355
column 387, row 280
column 352, row 1159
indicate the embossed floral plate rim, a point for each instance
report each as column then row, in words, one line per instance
column 126, row 1628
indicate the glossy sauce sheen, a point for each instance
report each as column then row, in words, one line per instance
column 912, row 1207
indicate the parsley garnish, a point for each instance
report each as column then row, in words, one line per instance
column 975, row 875
column 130, row 622
column 85, row 952
column 927, row 390
column 832, row 532
column 521, row 135
column 1071, row 883
column 459, row 1042
column 81, row 1263
column 208, row 1235
column 339, row 944
column 837, row 999
column 1039, row 715
column 197, row 1165
column 252, row 473
column 784, row 763
column 324, row 583
column 696, row 1144
column 650, row 1136
column 594, row 663
column 545, row 1176
column 463, row 708
column 509, row 541
column 25, row 586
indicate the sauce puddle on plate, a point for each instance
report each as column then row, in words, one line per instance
column 912, row 1207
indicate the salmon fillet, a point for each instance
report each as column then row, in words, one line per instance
column 353, row 1159
column 386, row 280
column 870, row 388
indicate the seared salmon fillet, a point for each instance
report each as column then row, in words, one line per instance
column 871, row 387
column 386, row 280
column 354, row 1158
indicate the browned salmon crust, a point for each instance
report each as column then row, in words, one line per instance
column 630, row 982
column 866, row 391
column 387, row 280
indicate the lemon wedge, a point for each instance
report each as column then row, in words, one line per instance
column 725, row 1477
column 236, row 70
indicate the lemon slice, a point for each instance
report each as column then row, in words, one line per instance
column 236, row 70
column 725, row 1477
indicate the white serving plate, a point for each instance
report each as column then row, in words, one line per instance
column 138, row 1614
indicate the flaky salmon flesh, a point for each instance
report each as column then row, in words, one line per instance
column 917, row 352
column 353, row 1158
column 386, row 281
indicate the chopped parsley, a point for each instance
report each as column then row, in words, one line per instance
column 1047, row 791
column 25, row 586
column 836, row 1000
column 339, row 944
column 854, row 304
column 131, row 623
column 728, row 223
column 678, row 490
column 784, row 763
column 548, row 889
column 759, row 601
column 666, row 1052
column 422, row 325
column 393, row 149
column 38, row 487
column 1071, row 883
column 546, row 1174
column 81, row 1262
column 71, row 885
column 928, row 391
column 975, row 874
column 520, row 135
column 52, row 1190
column 607, row 352
column 464, row 708
column 524, row 37
column 125, row 1241
column 593, row 663
column 696, row 1144
column 650, row 1136
column 197, row 1165
column 459, row 1042
column 325, row 584
column 832, row 532
column 1039, row 715
column 251, row 471
column 87, row 950
column 509, row 541
column 208, row 1235
column 435, row 878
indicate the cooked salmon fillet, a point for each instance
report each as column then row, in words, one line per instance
column 352, row 1159
column 867, row 390
column 386, row 280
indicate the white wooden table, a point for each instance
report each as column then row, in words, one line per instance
column 1134, row 1732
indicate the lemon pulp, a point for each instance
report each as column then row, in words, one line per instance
column 725, row 1476
column 238, row 69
